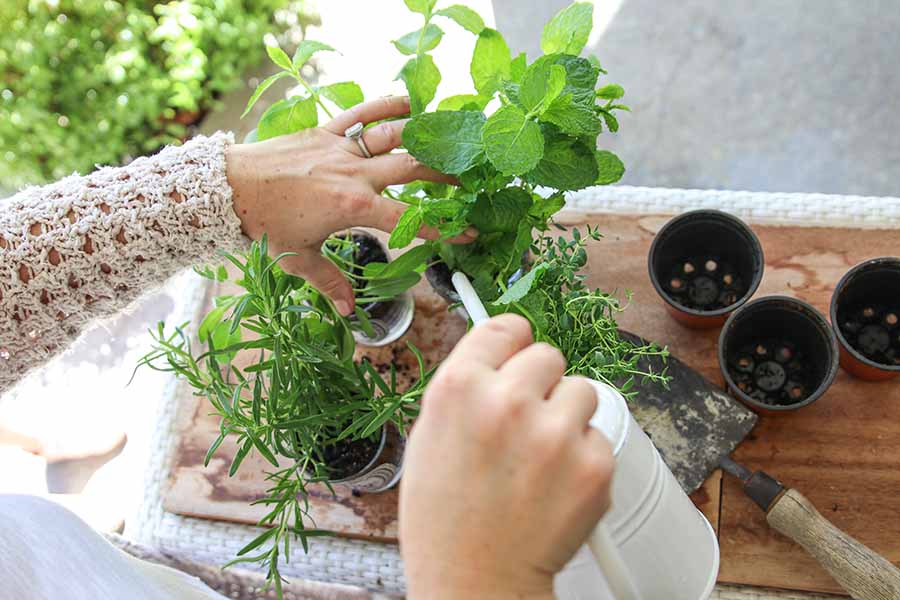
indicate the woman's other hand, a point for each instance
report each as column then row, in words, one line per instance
column 298, row 189
column 503, row 479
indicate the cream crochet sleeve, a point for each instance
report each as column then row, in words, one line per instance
column 85, row 247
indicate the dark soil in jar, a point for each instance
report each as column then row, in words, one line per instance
column 369, row 250
column 348, row 457
column 705, row 283
column 873, row 330
column 772, row 372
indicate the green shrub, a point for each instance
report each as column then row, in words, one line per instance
column 88, row 82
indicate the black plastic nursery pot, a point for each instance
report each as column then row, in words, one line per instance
column 777, row 354
column 390, row 319
column 865, row 314
column 704, row 264
column 368, row 466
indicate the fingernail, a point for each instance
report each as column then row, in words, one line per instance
column 471, row 233
column 343, row 307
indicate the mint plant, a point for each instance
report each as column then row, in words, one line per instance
column 515, row 164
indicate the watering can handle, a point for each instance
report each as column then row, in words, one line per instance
column 614, row 569
column 863, row 573
column 602, row 546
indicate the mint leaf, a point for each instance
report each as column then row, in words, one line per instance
column 581, row 77
column 490, row 62
column 565, row 166
column 288, row 116
column 464, row 16
column 569, row 30
column 519, row 289
column 571, row 118
column 421, row 6
column 422, row 78
column 501, row 212
column 513, row 143
column 609, row 166
column 437, row 209
column 449, row 141
column 345, row 94
column 407, row 228
column 305, row 50
column 545, row 208
column 611, row 92
column 463, row 102
column 409, row 43
column 542, row 83
column 262, row 87
column 612, row 123
column 279, row 57
column 517, row 67
column 408, row 262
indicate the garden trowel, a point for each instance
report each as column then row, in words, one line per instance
column 692, row 423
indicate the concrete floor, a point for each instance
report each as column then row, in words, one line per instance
column 768, row 95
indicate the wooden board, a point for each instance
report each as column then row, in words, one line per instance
column 843, row 452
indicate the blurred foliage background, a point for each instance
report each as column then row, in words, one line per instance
column 88, row 82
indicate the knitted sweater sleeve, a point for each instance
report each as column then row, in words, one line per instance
column 84, row 248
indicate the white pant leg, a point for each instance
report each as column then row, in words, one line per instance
column 48, row 553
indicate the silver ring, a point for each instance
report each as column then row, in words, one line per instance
column 355, row 133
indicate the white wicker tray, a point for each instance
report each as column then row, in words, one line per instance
column 378, row 566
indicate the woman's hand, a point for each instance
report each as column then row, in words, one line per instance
column 503, row 479
column 299, row 189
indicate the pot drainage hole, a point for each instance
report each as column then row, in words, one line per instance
column 705, row 283
column 874, row 332
column 771, row 372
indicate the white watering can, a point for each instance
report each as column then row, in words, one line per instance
column 653, row 543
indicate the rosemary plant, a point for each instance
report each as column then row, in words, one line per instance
column 300, row 398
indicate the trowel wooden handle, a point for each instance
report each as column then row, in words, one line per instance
column 863, row 573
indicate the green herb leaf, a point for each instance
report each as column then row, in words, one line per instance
column 409, row 261
column 464, row 16
column 345, row 94
column 501, row 212
column 262, row 87
column 463, row 102
column 565, row 166
column 542, row 83
column 513, row 143
column 569, row 30
column 421, row 6
column 519, row 289
column 306, row 49
column 422, row 77
column 409, row 43
column 612, row 123
column 571, row 118
column 407, row 228
column 490, row 62
column 611, row 92
column 517, row 67
column 609, row 166
column 288, row 116
column 449, row 141
column 212, row 318
column 545, row 208
column 279, row 57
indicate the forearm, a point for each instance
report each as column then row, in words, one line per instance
column 85, row 247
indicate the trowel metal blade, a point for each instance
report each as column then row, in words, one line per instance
column 692, row 423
